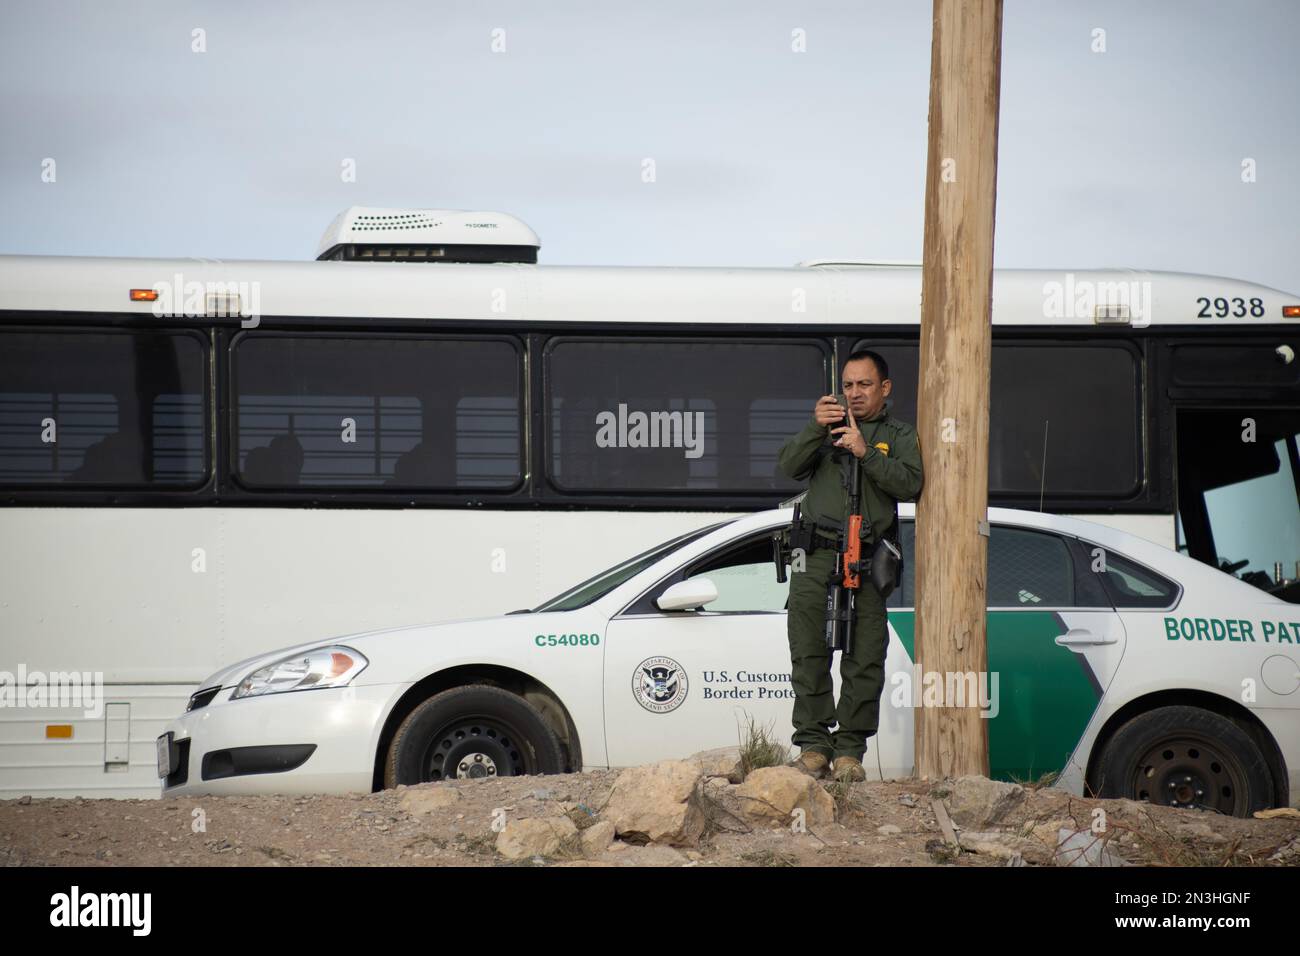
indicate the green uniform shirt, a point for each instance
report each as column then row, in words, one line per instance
column 887, row 477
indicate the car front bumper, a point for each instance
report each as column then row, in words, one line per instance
column 311, row 741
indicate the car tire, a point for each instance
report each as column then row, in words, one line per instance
column 469, row 732
column 1187, row 757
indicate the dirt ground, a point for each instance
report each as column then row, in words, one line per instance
column 888, row 823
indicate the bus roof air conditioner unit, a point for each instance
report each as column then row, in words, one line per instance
column 366, row 234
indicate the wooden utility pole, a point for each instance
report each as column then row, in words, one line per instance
column 953, row 396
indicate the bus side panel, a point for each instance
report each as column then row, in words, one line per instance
column 151, row 601
column 105, row 749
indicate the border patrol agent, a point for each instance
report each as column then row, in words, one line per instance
column 890, row 458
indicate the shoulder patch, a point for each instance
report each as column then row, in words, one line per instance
column 882, row 447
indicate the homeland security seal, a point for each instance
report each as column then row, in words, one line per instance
column 659, row 684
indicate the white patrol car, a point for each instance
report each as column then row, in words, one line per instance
column 1121, row 666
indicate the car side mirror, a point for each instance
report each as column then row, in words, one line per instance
column 695, row 592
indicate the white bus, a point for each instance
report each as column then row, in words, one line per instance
column 202, row 460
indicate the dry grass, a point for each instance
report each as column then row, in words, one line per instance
column 1045, row 780
column 759, row 747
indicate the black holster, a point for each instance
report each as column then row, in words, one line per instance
column 885, row 567
column 801, row 534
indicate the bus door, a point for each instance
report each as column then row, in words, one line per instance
column 1237, row 418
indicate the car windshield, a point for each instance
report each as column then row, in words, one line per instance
column 597, row 587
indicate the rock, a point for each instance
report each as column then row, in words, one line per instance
column 979, row 802
column 658, row 803
column 25, row 799
column 888, row 829
column 597, row 837
column 651, row 855
column 1005, row 846
column 420, row 802
column 581, row 815
column 1085, row 848
column 773, row 793
column 907, row 800
column 532, row 836
column 720, row 762
column 585, row 863
column 1286, row 813
column 1048, row 833
column 1200, row 831
column 1287, row 852
column 941, row 851
column 542, row 794
column 616, row 847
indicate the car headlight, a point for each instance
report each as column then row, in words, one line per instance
column 330, row 666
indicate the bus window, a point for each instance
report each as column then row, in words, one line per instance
column 1083, row 399
column 1083, row 402
column 1229, row 364
column 665, row 415
column 391, row 411
column 110, row 408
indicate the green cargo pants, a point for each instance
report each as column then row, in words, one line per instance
column 862, row 673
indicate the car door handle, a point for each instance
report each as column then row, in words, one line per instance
column 1082, row 637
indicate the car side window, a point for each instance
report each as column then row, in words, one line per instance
column 905, row 594
column 1029, row 569
column 1087, row 591
column 1131, row 585
column 745, row 577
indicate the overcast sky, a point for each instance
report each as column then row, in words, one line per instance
column 763, row 156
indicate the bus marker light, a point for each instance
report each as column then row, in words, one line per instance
column 58, row 731
column 1111, row 315
column 144, row 295
column 1291, row 311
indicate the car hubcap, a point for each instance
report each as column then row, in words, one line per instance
column 1189, row 772
column 474, row 748
column 476, row 765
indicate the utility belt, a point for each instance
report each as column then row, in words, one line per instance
column 810, row 536
column 882, row 563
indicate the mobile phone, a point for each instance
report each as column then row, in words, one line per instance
column 843, row 403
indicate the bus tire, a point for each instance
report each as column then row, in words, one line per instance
column 471, row 732
column 1186, row 757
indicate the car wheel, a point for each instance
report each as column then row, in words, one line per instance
column 1185, row 757
column 471, row 732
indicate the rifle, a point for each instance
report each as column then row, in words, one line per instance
column 846, row 576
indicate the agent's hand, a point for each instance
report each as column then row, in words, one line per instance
column 827, row 411
column 850, row 437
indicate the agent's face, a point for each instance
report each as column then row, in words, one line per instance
column 864, row 389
